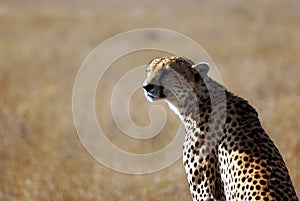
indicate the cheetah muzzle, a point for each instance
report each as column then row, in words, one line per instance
column 154, row 92
column 227, row 154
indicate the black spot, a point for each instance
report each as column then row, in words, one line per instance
column 209, row 110
column 161, row 92
column 250, row 144
column 239, row 162
column 256, row 176
column 228, row 120
column 207, row 173
column 256, row 154
column 257, row 167
column 242, row 143
column 206, row 117
column 208, row 129
column 235, row 149
column 232, row 112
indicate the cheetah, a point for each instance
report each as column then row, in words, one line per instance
column 227, row 154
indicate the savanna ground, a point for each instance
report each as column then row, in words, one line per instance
column 256, row 47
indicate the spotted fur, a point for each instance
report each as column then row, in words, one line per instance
column 227, row 154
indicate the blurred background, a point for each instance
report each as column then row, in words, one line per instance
column 255, row 45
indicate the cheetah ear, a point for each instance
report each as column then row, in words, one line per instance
column 202, row 68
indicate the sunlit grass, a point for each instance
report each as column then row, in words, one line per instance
column 256, row 48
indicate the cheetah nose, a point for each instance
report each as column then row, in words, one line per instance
column 148, row 87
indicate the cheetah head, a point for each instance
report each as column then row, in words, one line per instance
column 172, row 78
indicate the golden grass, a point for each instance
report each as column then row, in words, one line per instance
column 42, row 45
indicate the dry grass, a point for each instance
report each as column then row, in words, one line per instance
column 255, row 46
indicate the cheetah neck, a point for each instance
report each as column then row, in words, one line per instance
column 202, row 97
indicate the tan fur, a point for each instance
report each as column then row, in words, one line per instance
column 227, row 155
